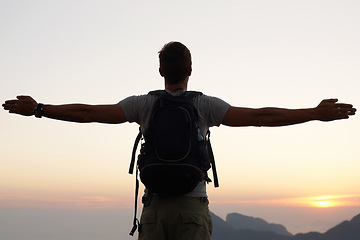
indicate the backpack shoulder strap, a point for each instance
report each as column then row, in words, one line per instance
column 189, row 94
column 136, row 223
column 212, row 160
column 157, row 92
column 136, row 143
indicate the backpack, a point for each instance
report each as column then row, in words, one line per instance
column 174, row 156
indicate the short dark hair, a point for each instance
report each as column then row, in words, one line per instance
column 175, row 62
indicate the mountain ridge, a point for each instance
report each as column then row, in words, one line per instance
column 239, row 221
column 259, row 229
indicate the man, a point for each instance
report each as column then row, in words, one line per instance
column 187, row 216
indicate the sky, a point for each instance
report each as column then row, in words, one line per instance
column 282, row 53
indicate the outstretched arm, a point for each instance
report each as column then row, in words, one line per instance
column 327, row 110
column 25, row 105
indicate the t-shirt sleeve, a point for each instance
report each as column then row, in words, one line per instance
column 135, row 108
column 212, row 109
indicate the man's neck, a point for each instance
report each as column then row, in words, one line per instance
column 181, row 85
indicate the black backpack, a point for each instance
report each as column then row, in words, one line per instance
column 174, row 156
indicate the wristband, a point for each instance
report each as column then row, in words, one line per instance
column 39, row 112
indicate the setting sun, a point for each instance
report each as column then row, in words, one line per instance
column 327, row 201
column 324, row 204
column 324, row 201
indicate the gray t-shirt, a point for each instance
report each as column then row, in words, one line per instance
column 211, row 112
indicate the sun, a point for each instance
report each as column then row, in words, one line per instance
column 324, row 204
column 327, row 201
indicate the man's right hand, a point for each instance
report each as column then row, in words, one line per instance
column 329, row 110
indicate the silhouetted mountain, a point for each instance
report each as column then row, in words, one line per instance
column 258, row 235
column 239, row 221
column 308, row 236
column 347, row 230
column 224, row 230
column 221, row 229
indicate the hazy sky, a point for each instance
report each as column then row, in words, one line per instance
column 255, row 53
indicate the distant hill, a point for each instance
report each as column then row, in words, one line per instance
column 258, row 229
column 239, row 221
column 347, row 230
column 253, row 229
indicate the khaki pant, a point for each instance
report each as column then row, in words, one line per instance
column 176, row 218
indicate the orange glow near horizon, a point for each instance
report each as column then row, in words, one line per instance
column 326, row 201
column 107, row 201
column 67, row 202
column 329, row 201
column 312, row 202
column 324, row 204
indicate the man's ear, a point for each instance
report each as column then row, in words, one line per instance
column 190, row 70
column 161, row 73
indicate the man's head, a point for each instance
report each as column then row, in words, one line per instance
column 175, row 62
